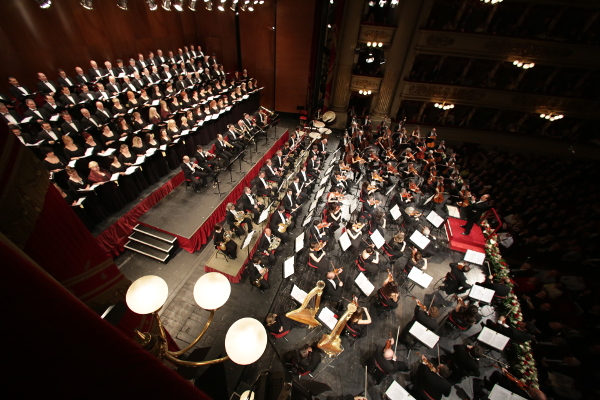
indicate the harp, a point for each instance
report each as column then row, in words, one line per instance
column 305, row 314
column 332, row 343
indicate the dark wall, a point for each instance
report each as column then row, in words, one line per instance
column 66, row 35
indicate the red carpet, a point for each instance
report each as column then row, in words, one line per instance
column 459, row 242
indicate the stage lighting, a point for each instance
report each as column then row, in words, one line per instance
column 208, row 5
column 178, row 5
column 87, row 4
column 166, row 5
column 122, row 4
column 192, row 5
column 221, row 6
column 44, row 3
column 233, row 5
column 151, row 5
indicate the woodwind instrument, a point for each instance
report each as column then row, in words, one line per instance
column 332, row 343
column 306, row 315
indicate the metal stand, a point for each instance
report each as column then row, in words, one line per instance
column 216, row 180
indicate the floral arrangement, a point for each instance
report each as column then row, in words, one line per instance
column 522, row 359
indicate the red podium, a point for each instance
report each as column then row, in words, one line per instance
column 459, row 242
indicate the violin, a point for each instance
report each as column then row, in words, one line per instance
column 341, row 178
column 413, row 186
column 388, row 343
column 432, row 367
column 515, row 380
column 358, row 226
column 390, row 276
column 374, row 202
column 324, row 225
column 345, row 167
column 371, row 188
column 359, row 159
column 392, row 170
column 377, row 177
column 406, row 195
column 390, row 154
column 412, row 170
column 320, row 245
column 421, row 305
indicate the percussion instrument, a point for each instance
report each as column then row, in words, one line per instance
column 315, row 135
column 329, row 117
column 318, row 124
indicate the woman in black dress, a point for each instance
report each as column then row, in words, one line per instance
column 165, row 140
column 357, row 326
column 144, row 99
column 228, row 247
column 118, row 108
column 126, row 157
column 90, row 143
column 175, row 106
column 71, row 150
column 278, row 324
column 185, row 100
column 156, row 93
column 138, row 122
column 138, row 147
column 108, row 137
column 52, row 162
column 123, row 128
column 131, row 102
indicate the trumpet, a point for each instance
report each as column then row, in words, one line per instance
column 269, row 112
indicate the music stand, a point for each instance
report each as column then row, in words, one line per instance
column 263, row 215
column 364, row 284
column 419, row 240
column 395, row 212
column 424, row 335
column 216, row 180
column 435, row 219
column 493, row 339
column 307, row 219
column 288, row 267
column 274, row 124
column 299, row 242
column 247, row 241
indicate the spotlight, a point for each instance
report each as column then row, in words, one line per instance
column 44, row 3
column 122, row 4
column 151, row 5
column 380, row 44
column 250, row 7
column 233, row 5
column 87, row 4
column 192, row 5
column 166, row 5
column 208, row 5
column 178, row 5
column 222, row 5
column 329, row 26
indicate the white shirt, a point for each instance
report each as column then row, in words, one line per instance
column 10, row 118
column 50, row 86
column 52, row 135
column 251, row 199
column 263, row 181
column 333, row 283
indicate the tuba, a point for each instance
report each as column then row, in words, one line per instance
column 307, row 315
column 332, row 343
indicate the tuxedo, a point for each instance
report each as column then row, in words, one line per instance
column 103, row 115
column 48, row 87
column 26, row 138
column 130, row 70
column 69, row 129
column 91, row 124
column 53, row 109
column 37, row 113
column 141, row 65
column 129, row 86
column 194, row 174
column 11, row 117
column 119, row 70
column 66, row 81
column 289, row 203
column 82, row 79
column 140, row 83
column 71, row 100
column 48, row 136
column 89, row 96
column 113, row 88
column 276, row 219
column 304, row 178
column 221, row 151
column 19, row 92
column 96, row 73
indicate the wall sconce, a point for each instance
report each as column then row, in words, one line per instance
column 524, row 65
column 364, row 92
column 552, row 117
column 444, row 106
column 245, row 341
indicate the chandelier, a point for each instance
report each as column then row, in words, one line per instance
column 444, row 106
column 524, row 65
column 491, row 1
column 364, row 92
column 245, row 340
column 551, row 116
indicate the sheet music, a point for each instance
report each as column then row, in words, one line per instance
column 377, row 239
column 140, row 160
column 345, row 241
column 323, row 181
column 248, row 239
column 482, row 294
column 364, row 284
column 299, row 242
column 72, row 163
column 397, row 392
column 493, row 338
column 320, row 193
column 424, row 335
column 115, row 177
column 395, row 212
column 420, row 240
column 79, row 201
column 163, row 147
column 26, row 120
column 420, row 278
column 130, row 170
column 54, row 118
column 500, row 393
column 435, row 219
column 151, row 151
column 474, row 257
column 107, row 152
column 263, row 215
column 307, row 219
column 34, row 144
column 298, row 294
column 89, row 152
column 313, row 205
column 327, row 317
column 453, row 211
column 288, row 267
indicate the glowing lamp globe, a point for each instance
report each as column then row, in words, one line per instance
column 245, row 341
column 212, row 290
column 247, row 395
column 147, row 294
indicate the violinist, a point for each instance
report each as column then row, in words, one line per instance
column 317, row 257
column 333, row 288
column 354, row 230
column 357, row 161
column 464, row 361
column 339, row 180
column 404, row 198
column 395, row 247
column 383, row 362
column 368, row 261
column 369, row 207
column 378, row 222
column 333, row 216
column 508, row 381
column 411, row 217
column 455, row 281
column 430, row 381
column 415, row 260
column 388, row 294
column 317, row 232
column 335, row 195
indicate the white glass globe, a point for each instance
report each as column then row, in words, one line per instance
column 147, row 294
column 245, row 341
column 212, row 290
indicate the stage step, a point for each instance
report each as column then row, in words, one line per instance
column 147, row 250
column 151, row 241
column 165, row 237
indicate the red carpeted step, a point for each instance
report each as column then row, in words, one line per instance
column 459, row 242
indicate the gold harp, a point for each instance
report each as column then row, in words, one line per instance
column 307, row 315
column 332, row 344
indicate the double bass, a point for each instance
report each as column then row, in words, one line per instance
column 439, row 195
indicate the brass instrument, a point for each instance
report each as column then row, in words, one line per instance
column 306, row 315
column 332, row 343
column 226, row 238
column 240, row 216
column 227, row 143
column 275, row 242
column 284, row 225
column 269, row 112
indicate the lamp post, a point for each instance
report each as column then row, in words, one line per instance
column 245, row 340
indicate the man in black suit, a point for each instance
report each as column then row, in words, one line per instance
column 138, row 82
column 120, row 68
column 64, row 80
column 141, row 63
column 257, row 272
column 81, row 78
column 193, row 173
column 52, row 106
column 9, row 116
column 234, row 138
column 45, row 86
column 24, row 137
column 298, row 191
column 19, row 92
column 127, row 85
column 290, row 202
column 71, row 127
column 221, row 149
column 132, row 68
column 464, row 361
column 277, row 161
column 102, row 113
column 113, row 87
column 425, row 318
column 430, row 385
column 102, row 94
column 206, row 77
column 203, row 160
column 68, row 99
column 89, row 122
column 312, row 167
column 456, row 280
column 271, row 173
column 383, row 363
column 281, row 217
column 159, row 59
column 263, row 246
column 475, row 211
column 262, row 186
column 232, row 219
column 166, row 74
column 306, row 180
column 251, row 204
column 49, row 135
column 36, row 114
column 96, row 73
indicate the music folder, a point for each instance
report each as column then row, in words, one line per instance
column 364, row 284
column 474, row 257
column 419, row 277
column 424, row 335
column 482, row 294
column 288, row 267
column 298, row 294
column 327, row 317
column 419, row 239
column 435, row 219
column 493, row 338
column 500, row 393
column 345, row 241
column 395, row 212
column 299, row 242
column 397, row 392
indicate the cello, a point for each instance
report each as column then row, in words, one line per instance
column 439, row 195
